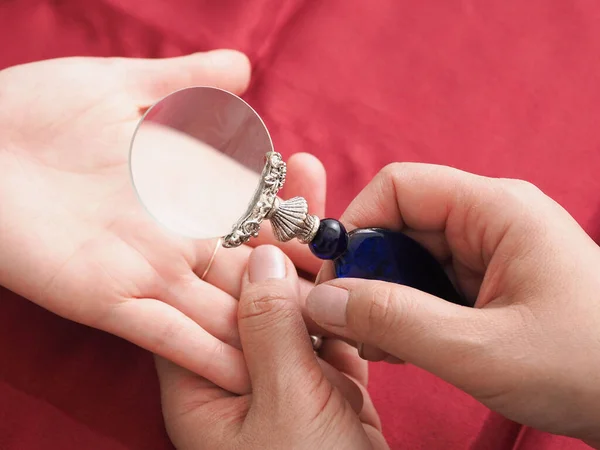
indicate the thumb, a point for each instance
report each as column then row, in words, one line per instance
column 281, row 362
column 409, row 324
column 153, row 79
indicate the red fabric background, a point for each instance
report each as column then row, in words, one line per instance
column 502, row 87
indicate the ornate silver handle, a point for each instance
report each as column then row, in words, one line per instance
column 290, row 218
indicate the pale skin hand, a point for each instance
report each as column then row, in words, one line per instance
column 298, row 401
column 73, row 237
column 529, row 349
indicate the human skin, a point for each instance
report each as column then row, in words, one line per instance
column 529, row 349
column 299, row 400
column 75, row 240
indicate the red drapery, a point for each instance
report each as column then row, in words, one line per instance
column 501, row 88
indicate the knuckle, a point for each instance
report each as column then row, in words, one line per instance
column 382, row 315
column 520, row 188
column 392, row 170
column 270, row 300
column 165, row 337
column 529, row 204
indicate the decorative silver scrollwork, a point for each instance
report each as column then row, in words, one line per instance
column 289, row 218
column 272, row 180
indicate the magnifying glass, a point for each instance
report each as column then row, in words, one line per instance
column 203, row 165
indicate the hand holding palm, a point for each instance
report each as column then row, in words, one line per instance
column 73, row 237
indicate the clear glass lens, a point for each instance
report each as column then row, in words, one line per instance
column 196, row 159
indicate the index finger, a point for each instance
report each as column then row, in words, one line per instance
column 433, row 204
column 410, row 195
column 414, row 195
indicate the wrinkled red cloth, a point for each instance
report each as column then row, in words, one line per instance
column 502, row 88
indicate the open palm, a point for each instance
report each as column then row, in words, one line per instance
column 73, row 237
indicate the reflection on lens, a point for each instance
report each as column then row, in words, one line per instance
column 196, row 158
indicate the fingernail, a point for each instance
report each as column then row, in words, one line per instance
column 327, row 305
column 318, row 279
column 360, row 346
column 266, row 262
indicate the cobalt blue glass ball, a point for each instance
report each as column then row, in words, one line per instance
column 330, row 241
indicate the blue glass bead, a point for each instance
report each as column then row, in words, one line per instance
column 330, row 241
column 378, row 254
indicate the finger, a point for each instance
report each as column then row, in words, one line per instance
column 377, row 440
column 393, row 360
column 187, row 400
column 305, row 287
column 417, row 196
column 167, row 332
column 276, row 345
column 466, row 279
column 305, row 178
column 348, row 388
column 430, row 198
column 368, row 414
column 227, row 268
column 152, row 79
column 370, row 353
column 326, row 273
column 195, row 298
column 344, row 358
column 434, row 241
column 182, row 390
column 411, row 325
column 226, row 273
column 375, row 354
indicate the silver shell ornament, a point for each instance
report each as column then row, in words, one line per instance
column 289, row 218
